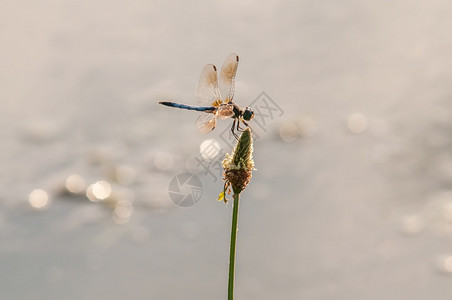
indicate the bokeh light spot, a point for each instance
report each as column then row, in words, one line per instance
column 412, row 224
column 98, row 191
column 444, row 264
column 123, row 211
column 38, row 198
column 357, row 123
column 288, row 131
column 75, row 184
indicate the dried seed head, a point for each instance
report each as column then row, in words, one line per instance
column 238, row 166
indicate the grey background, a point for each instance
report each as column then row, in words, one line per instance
column 330, row 215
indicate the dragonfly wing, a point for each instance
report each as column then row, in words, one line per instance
column 207, row 91
column 227, row 77
column 225, row 111
column 206, row 122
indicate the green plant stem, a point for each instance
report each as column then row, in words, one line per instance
column 235, row 217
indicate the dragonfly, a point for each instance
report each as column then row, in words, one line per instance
column 216, row 95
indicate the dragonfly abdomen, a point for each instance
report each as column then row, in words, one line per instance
column 189, row 107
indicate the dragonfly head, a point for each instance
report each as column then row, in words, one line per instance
column 248, row 114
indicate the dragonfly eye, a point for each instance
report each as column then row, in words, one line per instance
column 248, row 114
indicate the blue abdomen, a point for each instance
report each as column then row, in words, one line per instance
column 183, row 106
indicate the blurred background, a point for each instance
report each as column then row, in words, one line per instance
column 352, row 196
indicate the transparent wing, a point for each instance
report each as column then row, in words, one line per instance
column 225, row 111
column 207, row 90
column 227, row 77
column 206, row 122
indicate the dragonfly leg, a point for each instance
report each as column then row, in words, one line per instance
column 247, row 125
column 242, row 129
column 238, row 125
column 232, row 130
